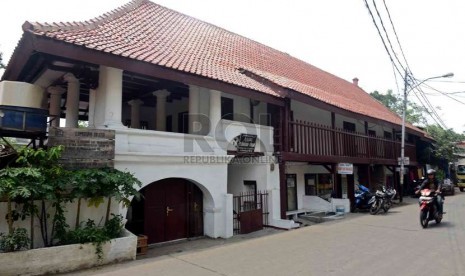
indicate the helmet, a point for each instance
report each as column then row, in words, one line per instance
column 431, row 171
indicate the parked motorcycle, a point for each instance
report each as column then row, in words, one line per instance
column 389, row 194
column 428, row 208
column 365, row 200
column 378, row 202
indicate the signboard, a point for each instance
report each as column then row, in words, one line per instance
column 84, row 147
column 406, row 161
column 345, row 168
column 246, row 143
column 398, row 170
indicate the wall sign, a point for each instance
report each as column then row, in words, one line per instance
column 345, row 168
column 84, row 147
column 246, row 143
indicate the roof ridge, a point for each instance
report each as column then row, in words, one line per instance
column 83, row 25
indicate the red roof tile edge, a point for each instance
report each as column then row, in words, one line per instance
column 88, row 24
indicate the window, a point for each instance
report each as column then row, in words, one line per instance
column 388, row 135
column 319, row 184
column 372, row 133
column 461, row 169
column 227, row 108
column 310, row 184
column 348, row 126
column 183, row 122
column 325, row 185
column 169, row 123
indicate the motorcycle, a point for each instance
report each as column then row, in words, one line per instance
column 428, row 208
column 389, row 194
column 378, row 202
column 365, row 200
column 415, row 186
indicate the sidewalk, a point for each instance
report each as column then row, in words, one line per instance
column 171, row 249
column 202, row 243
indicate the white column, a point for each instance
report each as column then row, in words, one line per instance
column 92, row 105
column 55, row 104
column 72, row 101
column 135, row 112
column 194, row 95
column 215, row 111
column 111, row 86
column 161, row 109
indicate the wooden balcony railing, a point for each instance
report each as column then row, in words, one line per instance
column 320, row 140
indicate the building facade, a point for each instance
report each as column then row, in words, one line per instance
column 202, row 115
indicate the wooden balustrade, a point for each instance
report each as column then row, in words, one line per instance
column 320, row 140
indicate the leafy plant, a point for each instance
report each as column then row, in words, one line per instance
column 50, row 187
column 15, row 184
column 15, row 240
column 96, row 184
column 98, row 236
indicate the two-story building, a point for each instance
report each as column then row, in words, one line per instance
column 202, row 115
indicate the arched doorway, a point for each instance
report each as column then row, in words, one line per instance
column 171, row 209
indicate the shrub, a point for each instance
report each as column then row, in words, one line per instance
column 14, row 241
column 95, row 234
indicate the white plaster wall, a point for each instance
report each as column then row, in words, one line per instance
column 265, row 172
column 310, row 113
column 204, row 101
column 261, row 114
column 97, row 214
column 67, row 258
column 166, row 143
column 209, row 174
column 300, row 169
column 251, row 169
column 15, row 93
column 231, row 129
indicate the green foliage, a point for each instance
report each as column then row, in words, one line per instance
column 59, row 222
column 415, row 114
column 445, row 140
column 440, row 175
column 18, row 183
column 2, row 66
column 14, row 241
column 37, row 175
column 95, row 184
column 98, row 236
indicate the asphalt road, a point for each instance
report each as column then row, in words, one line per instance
column 361, row 244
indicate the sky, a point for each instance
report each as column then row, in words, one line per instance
column 337, row 36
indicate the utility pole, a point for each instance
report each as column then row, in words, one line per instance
column 402, row 142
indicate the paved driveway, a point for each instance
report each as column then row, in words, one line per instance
column 361, row 244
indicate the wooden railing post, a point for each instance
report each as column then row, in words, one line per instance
column 286, row 124
column 333, row 132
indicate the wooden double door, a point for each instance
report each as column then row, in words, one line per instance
column 173, row 210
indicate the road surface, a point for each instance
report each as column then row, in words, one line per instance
column 361, row 244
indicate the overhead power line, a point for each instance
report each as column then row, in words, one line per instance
column 445, row 94
column 396, row 63
column 382, row 38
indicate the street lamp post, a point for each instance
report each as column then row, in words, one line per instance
column 404, row 108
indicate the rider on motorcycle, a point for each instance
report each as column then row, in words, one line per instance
column 433, row 184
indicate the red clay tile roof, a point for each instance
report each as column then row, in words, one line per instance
column 148, row 32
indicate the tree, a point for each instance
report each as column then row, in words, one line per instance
column 414, row 114
column 2, row 66
column 445, row 140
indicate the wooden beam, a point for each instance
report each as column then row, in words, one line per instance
column 291, row 156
